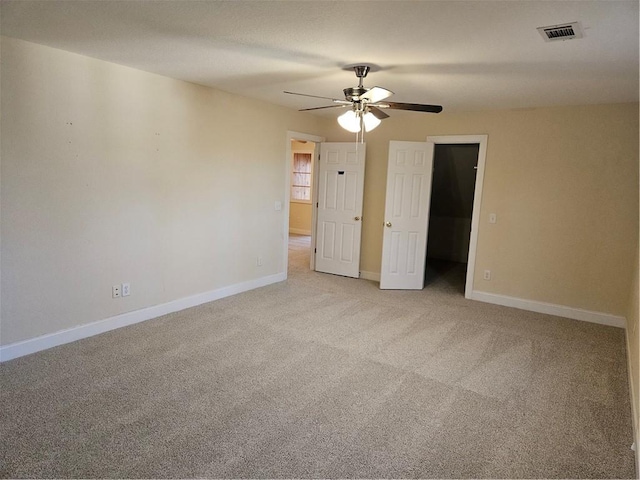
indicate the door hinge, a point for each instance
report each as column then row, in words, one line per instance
column 315, row 250
column 316, row 204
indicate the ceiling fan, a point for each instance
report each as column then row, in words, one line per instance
column 366, row 104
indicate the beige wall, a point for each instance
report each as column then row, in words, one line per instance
column 300, row 213
column 300, row 218
column 114, row 175
column 563, row 183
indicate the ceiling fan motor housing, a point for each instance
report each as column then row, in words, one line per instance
column 353, row 93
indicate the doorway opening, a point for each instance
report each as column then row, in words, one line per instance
column 300, row 207
column 462, row 161
column 301, row 185
column 450, row 215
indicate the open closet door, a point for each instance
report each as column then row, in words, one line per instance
column 406, row 220
column 339, row 208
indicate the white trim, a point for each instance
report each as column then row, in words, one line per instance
column 550, row 309
column 375, row 276
column 299, row 231
column 32, row 345
column 477, row 196
column 635, row 407
column 535, row 306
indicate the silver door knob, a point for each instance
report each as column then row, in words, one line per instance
column 387, row 224
column 357, row 218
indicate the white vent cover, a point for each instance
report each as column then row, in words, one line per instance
column 564, row 31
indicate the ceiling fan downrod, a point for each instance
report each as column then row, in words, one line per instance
column 361, row 72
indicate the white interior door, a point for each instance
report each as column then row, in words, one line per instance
column 339, row 212
column 406, row 220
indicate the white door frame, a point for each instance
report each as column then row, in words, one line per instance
column 477, row 196
column 291, row 135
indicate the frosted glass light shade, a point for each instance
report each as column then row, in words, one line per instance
column 350, row 121
column 370, row 121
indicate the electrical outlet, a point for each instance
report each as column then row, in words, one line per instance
column 487, row 275
column 126, row 289
column 493, row 218
column 259, row 261
column 115, row 291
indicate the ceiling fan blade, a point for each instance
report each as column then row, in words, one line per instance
column 379, row 114
column 335, row 100
column 320, row 108
column 376, row 94
column 416, row 107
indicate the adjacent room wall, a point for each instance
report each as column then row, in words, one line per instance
column 563, row 182
column 300, row 218
column 113, row 175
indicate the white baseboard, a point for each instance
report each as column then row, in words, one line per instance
column 635, row 406
column 32, row 345
column 550, row 309
column 533, row 306
column 375, row 276
column 299, row 231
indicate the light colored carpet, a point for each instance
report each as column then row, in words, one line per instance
column 325, row 376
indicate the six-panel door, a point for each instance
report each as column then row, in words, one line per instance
column 340, row 191
column 406, row 220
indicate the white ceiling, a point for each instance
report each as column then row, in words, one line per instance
column 464, row 55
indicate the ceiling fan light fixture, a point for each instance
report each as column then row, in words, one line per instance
column 365, row 113
column 370, row 121
column 350, row 121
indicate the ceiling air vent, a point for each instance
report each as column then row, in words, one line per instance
column 564, row 31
